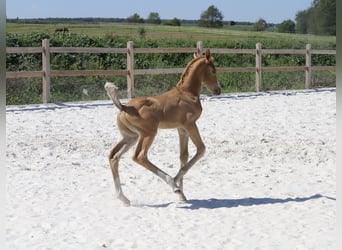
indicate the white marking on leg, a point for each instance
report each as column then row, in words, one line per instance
column 169, row 180
column 119, row 193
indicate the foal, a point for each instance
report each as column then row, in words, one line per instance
column 180, row 107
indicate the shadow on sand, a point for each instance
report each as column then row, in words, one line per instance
column 229, row 203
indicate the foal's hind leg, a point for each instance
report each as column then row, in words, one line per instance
column 184, row 156
column 119, row 149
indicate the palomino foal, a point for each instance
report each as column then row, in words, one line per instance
column 180, row 107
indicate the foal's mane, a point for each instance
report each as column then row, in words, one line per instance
column 187, row 69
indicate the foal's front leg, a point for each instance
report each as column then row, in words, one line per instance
column 194, row 134
column 140, row 156
column 184, row 156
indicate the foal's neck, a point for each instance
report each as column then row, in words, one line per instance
column 190, row 80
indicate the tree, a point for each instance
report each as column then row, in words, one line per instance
column 135, row 18
column 319, row 19
column 173, row 22
column 260, row 25
column 325, row 16
column 211, row 18
column 311, row 21
column 153, row 18
column 287, row 26
column 302, row 18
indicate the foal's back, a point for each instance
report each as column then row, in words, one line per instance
column 173, row 109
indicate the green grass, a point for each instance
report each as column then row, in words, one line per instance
column 166, row 32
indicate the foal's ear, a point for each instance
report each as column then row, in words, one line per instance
column 197, row 53
column 208, row 55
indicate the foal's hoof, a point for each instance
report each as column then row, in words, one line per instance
column 127, row 204
column 178, row 191
column 124, row 200
column 182, row 197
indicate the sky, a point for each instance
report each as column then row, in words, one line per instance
column 273, row 11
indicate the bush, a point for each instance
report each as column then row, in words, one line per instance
column 260, row 25
column 287, row 26
column 173, row 22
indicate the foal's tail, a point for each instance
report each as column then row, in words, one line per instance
column 112, row 92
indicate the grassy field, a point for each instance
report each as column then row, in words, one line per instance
column 165, row 32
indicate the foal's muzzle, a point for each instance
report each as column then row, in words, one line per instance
column 217, row 90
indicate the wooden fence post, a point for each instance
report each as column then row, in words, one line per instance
column 130, row 69
column 199, row 46
column 308, row 67
column 258, row 79
column 46, row 70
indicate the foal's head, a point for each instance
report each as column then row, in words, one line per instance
column 209, row 75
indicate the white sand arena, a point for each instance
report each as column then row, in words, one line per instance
column 267, row 180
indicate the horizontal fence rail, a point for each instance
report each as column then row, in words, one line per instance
column 46, row 73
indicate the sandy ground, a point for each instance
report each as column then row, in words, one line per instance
column 267, row 180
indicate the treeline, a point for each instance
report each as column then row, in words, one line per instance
column 318, row 19
column 97, row 20
column 60, row 20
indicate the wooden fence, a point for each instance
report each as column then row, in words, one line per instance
column 46, row 73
